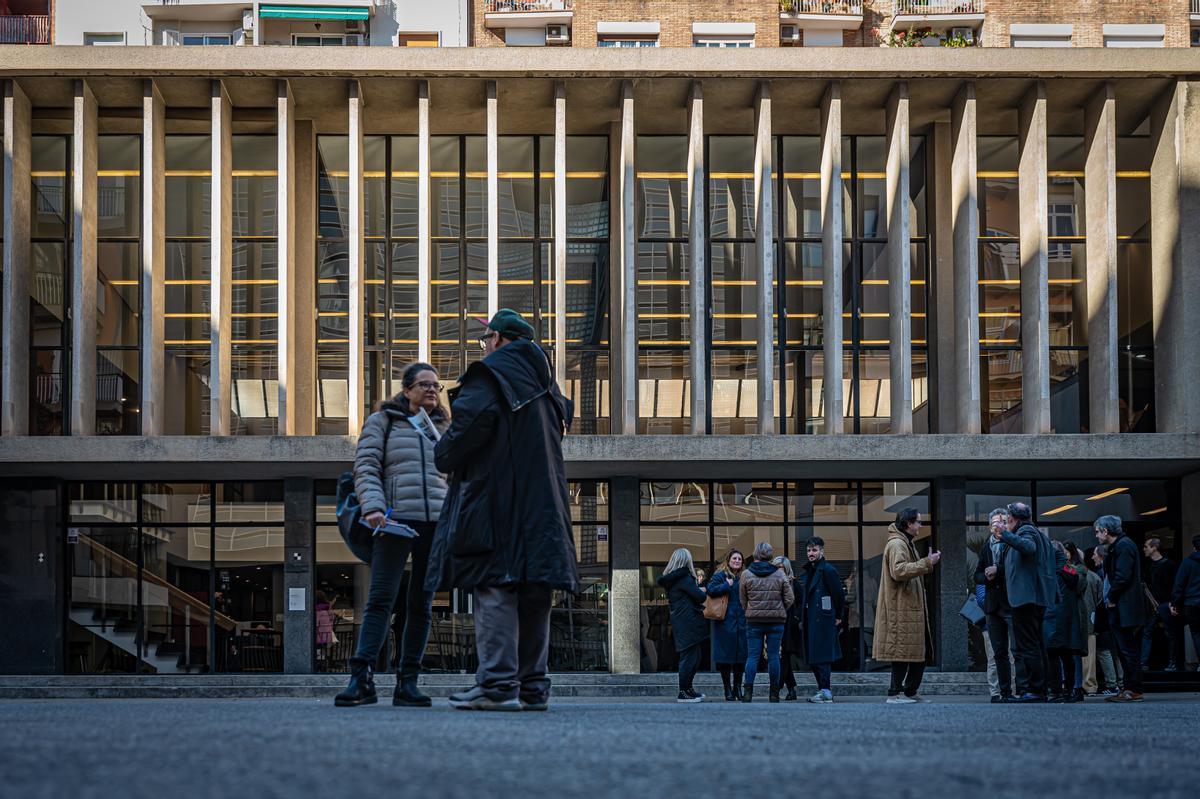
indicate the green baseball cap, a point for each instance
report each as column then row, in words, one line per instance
column 509, row 324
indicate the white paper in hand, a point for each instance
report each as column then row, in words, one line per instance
column 424, row 425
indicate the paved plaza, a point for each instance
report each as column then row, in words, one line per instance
column 954, row 747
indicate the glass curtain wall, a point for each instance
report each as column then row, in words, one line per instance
column 999, row 283
column 1067, row 284
column 333, row 284
column 118, row 286
column 710, row 518
column 1135, row 330
column 186, row 328
column 50, row 252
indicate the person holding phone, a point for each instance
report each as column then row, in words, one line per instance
column 401, row 491
column 902, row 633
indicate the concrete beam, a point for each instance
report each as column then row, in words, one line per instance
column 899, row 260
column 1100, row 207
column 83, row 261
column 356, row 246
column 764, row 236
column 698, row 351
column 493, row 202
column 299, row 518
column 964, row 219
column 154, row 262
column 559, row 217
column 1035, row 264
column 303, row 311
column 832, row 227
column 626, row 405
column 14, row 385
column 221, row 265
column 424, row 220
column 285, row 196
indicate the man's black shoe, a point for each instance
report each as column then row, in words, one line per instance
column 408, row 695
column 997, row 699
column 1029, row 699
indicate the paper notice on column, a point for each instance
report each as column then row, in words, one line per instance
column 296, row 599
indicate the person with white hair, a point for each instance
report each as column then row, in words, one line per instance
column 686, row 602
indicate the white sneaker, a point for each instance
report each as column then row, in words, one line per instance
column 919, row 699
column 818, row 698
column 900, row 699
column 828, row 694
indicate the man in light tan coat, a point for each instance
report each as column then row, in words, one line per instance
column 901, row 623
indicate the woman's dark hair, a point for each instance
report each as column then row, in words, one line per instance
column 407, row 380
column 906, row 517
column 1073, row 553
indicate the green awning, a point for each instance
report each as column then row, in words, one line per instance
column 314, row 12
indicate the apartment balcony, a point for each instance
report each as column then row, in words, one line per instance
column 527, row 13
column 821, row 14
column 1195, row 11
column 24, row 29
column 938, row 15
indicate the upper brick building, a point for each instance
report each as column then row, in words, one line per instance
column 824, row 23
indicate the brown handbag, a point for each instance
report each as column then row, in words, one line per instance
column 715, row 607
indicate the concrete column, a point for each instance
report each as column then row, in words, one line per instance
column 14, row 419
column 356, row 392
column 625, row 409
column 1035, row 265
column 285, row 138
column 298, row 542
column 696, row 261
column 940, row 309
column 221, row 264
column 154, row 266
column 954, row 575
column 964, row 219
column 493, row 202
column 560, row 234
column 83, row 262
column 1100, row 207
column 625, row 593
column 831, row 253
column 1174, row 247
column 424, row 251
column 898, row 260
column 303, row 311
column 764, row 235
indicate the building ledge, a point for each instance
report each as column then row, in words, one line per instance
column 527, row 19
column 831, row 22
column 937, row 21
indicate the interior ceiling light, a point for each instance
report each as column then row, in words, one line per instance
column 1059, row 509
column 1108, row 493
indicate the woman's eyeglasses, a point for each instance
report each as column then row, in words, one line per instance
column 425, row 385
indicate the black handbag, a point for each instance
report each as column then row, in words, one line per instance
column 358, row 537
column 972, row 612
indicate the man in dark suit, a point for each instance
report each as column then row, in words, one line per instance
column 1031, row 584
column 1126, row 604
column 989, row 572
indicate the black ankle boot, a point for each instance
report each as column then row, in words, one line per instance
column 361, row 690
column 773, row 696
column 747, row 693
column 737, row 692
column 407, row 694
column 791, row 695
column 730, row 696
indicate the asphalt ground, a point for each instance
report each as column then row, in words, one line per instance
column 954, row 747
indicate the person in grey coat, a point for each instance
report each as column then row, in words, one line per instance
column 403, row 485
column 1030, row 578
column 1125, row 600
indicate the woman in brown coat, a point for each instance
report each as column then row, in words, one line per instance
column 901, row 624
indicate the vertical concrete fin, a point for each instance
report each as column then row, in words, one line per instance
column 1035, row 298
column 285, row 196
column 83, row 262
column 221, row 264
column 696, row 261
column 627, row 180
column 1100, row 208
column 493, row 201
column 559, row 217
column 303, row 392
column 764, row 232
column 831, row 255
column 423, row 222
column 964, row 219
column 154, row 185
column 898, row 260
column 18, row 144
column 356, row 390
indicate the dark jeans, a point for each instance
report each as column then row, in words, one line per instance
column 906, row 677
column 1129, row 640
column 821, row 671
column 689, row 661
column 1062, row 671
column 756, row 632
column 787, row 671
column 388, row 556
column 999, row 631
column 1174, row 630
column 1031, row 648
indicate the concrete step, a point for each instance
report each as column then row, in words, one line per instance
column 322, row 686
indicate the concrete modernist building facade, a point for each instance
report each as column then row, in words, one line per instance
column 216, row 260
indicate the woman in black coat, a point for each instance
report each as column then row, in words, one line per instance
column 686, row 602
column 1064, row 627
column 792, row 646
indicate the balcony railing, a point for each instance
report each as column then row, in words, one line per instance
column 24, row 30
column 930, row 7
column 519, row 6
column 1195, row 7
column 833, row 7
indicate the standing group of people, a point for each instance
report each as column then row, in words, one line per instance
column 768, row 609
column 477, row 501
column 1054, row 614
